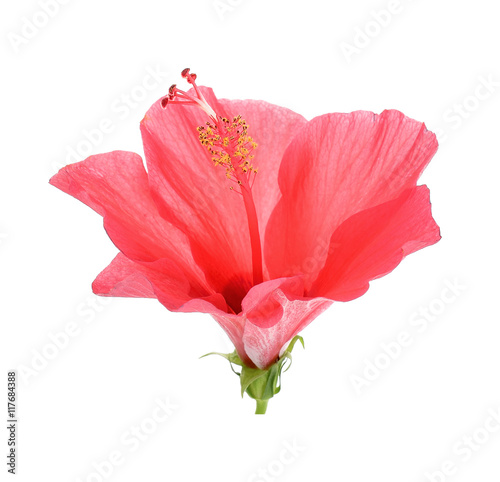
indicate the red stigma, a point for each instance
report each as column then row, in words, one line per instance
column 188, row 76
column 177, row 96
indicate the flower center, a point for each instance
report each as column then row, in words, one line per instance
column 231, row 147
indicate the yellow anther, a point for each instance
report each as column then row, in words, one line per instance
column 228, row 141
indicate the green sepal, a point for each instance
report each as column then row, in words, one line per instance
column 231, row 357
column 261, row 385
column 292, row 344
column 250, row 379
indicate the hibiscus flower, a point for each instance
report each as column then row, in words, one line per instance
column 251, row 213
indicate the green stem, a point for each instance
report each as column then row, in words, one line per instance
column 261, row 406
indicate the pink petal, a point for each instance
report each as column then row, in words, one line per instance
column 194, row 195
column 338, row 165
column 263, row 345
column 273, row 313
column 373, row 242
column 115, row 185
column 123, row 278
column 163, row 279
column 263, row 305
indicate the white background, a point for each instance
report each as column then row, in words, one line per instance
column 79, row 408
